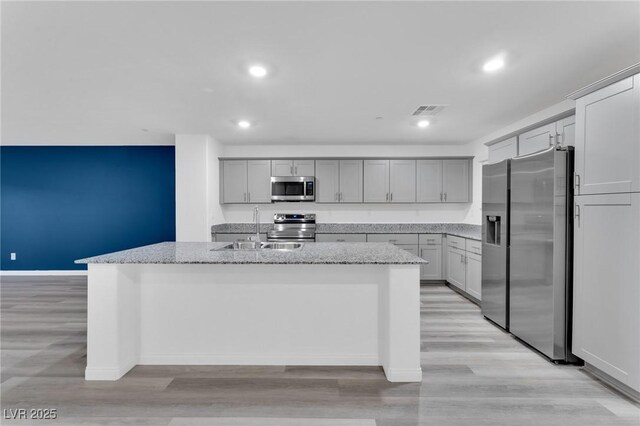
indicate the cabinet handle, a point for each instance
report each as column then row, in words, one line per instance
column 387, row 197
column 340, row 240
column 550, row 139
column 577, row 183
column 245, row 197
column 445, row 197
column 578, row 214
column 296, row 170
column 430, row 241
column 559, row 137
column 391, row 197
column 248, row 196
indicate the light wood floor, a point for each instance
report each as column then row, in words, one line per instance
column 473, row 375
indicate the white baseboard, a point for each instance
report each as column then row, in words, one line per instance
column 258, row 359
column 42, row 273
column 92, row 373
column 403, row 375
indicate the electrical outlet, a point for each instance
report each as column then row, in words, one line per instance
column 13, row 256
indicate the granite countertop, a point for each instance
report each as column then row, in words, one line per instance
column 310, row 253
column 464, row 230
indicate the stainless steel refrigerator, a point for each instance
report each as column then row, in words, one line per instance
column 538, row 252
column 495, row 242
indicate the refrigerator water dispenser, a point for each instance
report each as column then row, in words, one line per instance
column 493, row 230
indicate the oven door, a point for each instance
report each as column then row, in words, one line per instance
column 292, row 188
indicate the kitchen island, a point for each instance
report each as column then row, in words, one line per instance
column 199, row 304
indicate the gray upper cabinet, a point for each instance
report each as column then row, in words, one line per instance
column 429, row 181
column 608, row 139
column 566, row 131
column 292, row 168
column 537, row 139
column 402, row 181
column 376, row 181
column 350, row 181
column 327, row 181
column 503, row 150
column 258, row 181
column 304, row 168
column 455, row 181
column 234, row 187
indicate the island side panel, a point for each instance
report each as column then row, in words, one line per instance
column 251, row 314
column 112, row 321
column 400, row 324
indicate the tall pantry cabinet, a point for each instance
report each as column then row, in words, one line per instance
column 606, row 295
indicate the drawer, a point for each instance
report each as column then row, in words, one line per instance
column 411, row 239
column 430, row 239
column 236, row 237
column 456, row 242
column 474, row 246
column 341, row 238
column 411, row 248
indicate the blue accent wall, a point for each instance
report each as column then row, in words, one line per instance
column 62, row 203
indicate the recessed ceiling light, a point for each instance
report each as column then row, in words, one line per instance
column 493, row 64
column 244, row 124
column 423, row 123
column 257, row 71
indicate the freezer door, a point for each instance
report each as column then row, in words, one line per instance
column 537, row 253
column 495, row 242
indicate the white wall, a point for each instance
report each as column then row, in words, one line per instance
column 374, row 213
column 197, row 187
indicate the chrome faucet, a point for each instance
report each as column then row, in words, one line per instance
column 256, row 217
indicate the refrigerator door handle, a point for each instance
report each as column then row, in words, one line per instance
column 578, row 215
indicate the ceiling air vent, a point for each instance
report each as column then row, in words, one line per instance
column 428, row 110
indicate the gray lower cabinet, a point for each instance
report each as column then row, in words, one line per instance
column 221, row 237
column 456, row 270
column 473, row 278
column 430, row 249
column 258, row 181
column 234, row 181
column 341, row 238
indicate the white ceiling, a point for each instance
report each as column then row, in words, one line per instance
column 99, row 73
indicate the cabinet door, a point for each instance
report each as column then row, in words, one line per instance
column 429, row 181
column 376, row 181
column 456, row 272
column 566, row 131
column 503, row 150
column 327, row 181
column 455, row 181
column 259, row 181
column 473, row 281
column 607, row 139
column 433, row 270
column 402, row 181
column 234, row 181
column 606, row 289
column 537, row 139
column 304, row 168
column 350, row 181
column 281, row 167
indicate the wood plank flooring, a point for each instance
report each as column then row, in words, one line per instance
column 473, row 374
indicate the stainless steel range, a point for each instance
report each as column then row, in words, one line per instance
column 293, row 227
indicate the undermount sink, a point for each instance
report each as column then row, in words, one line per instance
column 255, row 245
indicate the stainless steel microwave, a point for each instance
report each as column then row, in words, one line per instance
column 293, row 188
